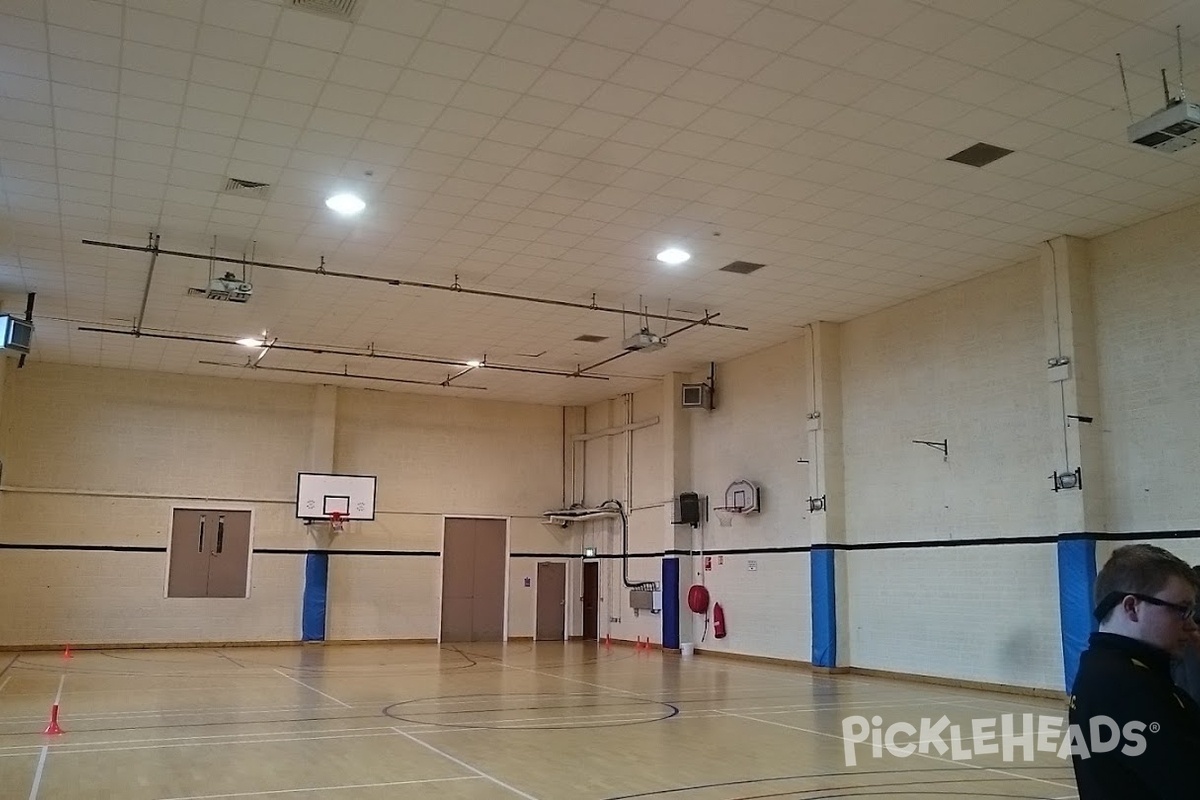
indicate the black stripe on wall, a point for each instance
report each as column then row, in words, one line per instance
column 899, row 545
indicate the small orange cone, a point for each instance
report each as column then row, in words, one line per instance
column 67, row 652
column 608, row 641
column 52, row 729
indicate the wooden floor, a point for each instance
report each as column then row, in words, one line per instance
column 367, row 722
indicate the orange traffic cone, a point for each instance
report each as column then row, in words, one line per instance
column 52, row 729
column 608, row 641
column 67, row 652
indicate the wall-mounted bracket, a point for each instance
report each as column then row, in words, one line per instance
column 817, row 503
column 943, row 445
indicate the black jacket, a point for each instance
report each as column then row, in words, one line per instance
column 1130, row 683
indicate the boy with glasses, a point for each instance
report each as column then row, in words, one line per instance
column 1142, row 734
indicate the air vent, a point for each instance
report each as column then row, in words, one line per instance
column 979, row 155
column 243, row 188
column 590, row 337
column 742, row 267
column 337, row 9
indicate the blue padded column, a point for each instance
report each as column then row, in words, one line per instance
column 670, row 603
column 1076, row 576
column 316, row 589
column 824, row 607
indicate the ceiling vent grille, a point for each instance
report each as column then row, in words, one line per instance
column 336, row 9
column 979, row 155
column 742, row 267
column 243, row 188
column 590, row 337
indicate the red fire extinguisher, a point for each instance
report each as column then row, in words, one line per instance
column 718, row 614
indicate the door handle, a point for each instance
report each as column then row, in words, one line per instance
column 200, row 539
column 220, row 534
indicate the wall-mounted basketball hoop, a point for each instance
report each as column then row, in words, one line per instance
column 741, row 498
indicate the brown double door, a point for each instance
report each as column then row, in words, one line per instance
column 210, row 553
column 474, row 565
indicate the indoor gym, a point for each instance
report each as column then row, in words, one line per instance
column 930, row 359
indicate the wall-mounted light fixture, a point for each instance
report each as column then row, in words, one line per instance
column 816, row 503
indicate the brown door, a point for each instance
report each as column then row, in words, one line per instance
column 591, row 600
column 458, row 579
column 551, row 601
column 191, row 536
column 474, row 566
column 229, row 554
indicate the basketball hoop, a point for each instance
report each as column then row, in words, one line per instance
column 335, row 521
column 725, row 515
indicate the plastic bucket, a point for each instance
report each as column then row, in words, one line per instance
column 687, row 649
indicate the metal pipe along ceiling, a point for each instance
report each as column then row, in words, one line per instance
column 454, row 287
column 339, row 351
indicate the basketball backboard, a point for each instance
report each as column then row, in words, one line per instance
column 320, row 494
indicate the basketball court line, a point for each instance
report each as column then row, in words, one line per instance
column 4, row 682
column 921, row 755
column 41, row 765
column 313, row 689
column 465, row 765
column 325, row 788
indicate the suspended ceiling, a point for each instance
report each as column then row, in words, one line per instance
column 551, row 148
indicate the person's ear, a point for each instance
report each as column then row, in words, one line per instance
column 1129, row 607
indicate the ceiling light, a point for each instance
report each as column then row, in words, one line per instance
column 346, row 204
column 250, row 341
column 474, row 364
column 673, row 256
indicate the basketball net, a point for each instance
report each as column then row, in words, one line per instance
column 336, row 522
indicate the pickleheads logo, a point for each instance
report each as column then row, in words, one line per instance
column 995, row 736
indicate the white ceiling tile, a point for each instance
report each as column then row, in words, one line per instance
column 84, row 45
column 564, row 17
column 563, row 87
column 736, row 60
column 76, row 98
column 159, row 29
column 505, row 74
column 649, row 74
column 461, row 29
column 529, row 45
column 716, row 17
column 830, row 45
column 245, row 48
column 981, row 45
column 874, row 18
column 363, row 74
column 590, row 60
column 681, row 46
column 774, row 30
column 253, row 18
column 616, row 29
column 1030, row 60
column 311, row 30
column 85, row 15
column 1032, row 18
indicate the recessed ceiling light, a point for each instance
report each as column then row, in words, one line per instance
column 474, row 363
column 673, row 256
column 250, row 341
column 346, row 204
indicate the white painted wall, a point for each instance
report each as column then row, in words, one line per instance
column 98, row 457
column 757, row 433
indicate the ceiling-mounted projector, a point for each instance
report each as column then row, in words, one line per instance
column 228, row 288
column 1171, row 129
column 644, row 341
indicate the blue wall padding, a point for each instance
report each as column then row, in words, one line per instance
column 824, row 608
column 316, row 590
column 1076, row 575
column 670, row 603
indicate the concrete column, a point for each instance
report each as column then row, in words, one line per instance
column 1073, row 391
column 1073, row 384
column 677, row 539
column 826, row 480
